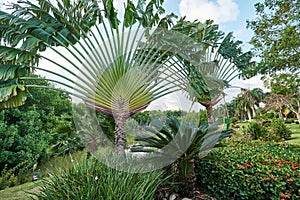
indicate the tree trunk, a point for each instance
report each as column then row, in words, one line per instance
column 120, row 131
column 280, row 114
column 187, row 183
column 210, row 117
column 209, row 108
column 298, row 117
column 249, row 114
column 253, row 111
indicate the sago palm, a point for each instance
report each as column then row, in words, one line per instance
column 184, row 140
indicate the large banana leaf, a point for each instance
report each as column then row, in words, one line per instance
column 12, row 94
column 12, row 91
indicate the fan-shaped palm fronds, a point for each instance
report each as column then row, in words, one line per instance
column 220, row 64
column 110, row 68
column 182, row 138
column 210, row 59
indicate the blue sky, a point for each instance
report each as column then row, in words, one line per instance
column 231, row 15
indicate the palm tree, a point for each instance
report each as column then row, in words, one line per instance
column 107, row 66
column 239, row 108
column 185, row 140
column 211, row 61
column 249, row 102
column 221, row 64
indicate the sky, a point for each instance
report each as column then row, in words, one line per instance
column 231, row 15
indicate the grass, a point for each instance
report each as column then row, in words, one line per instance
column 295, row 128
column 57, row 163
column 21, row 192
column 295, row 139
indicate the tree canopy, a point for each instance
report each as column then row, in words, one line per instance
column 28, row 131
column 276, row 37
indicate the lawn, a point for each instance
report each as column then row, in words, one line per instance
column 295, row 128
column 21, row 192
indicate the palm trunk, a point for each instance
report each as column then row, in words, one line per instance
column 120, row 131
column 210, row 117
column 253, row 111
column 209, row 108
column 249, row 114
column 187, row 184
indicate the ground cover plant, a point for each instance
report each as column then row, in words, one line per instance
column 248, row 169
column 91, row 179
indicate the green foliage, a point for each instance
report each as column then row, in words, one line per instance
column 22, row 136
column 283, row 83
column 274, row 130
column 12, row 176
column 7, row 178
column 91, row 179
column 189, row 142
column 279, row 129
column 33, row 27
column 233, row 120
column 257, row 131
column 143, row 118
column 277, row 39
column 247, row 169
column 269, row 115
column 28, row 131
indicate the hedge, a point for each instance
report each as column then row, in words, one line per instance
column 247, row 169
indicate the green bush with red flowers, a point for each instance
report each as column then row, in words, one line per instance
column 247, row 169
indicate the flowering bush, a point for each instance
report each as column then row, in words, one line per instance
column 247, row 169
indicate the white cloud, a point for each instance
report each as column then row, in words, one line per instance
column 220, row 11
column 254, row 82
column 174, row 101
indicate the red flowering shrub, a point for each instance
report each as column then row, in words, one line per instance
column 248, row 169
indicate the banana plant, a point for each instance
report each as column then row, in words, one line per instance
column 187, row 140
column 108, row 66
column 29, row 29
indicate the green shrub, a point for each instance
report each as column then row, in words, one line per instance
column 249, row 169
column 91, row 179
column 10, row 177
column 273, row 130
column 256, row 130
column 279, row 129
column 233, row 120
column 7, row 178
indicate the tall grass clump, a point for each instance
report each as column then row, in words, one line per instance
column 91, row 179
